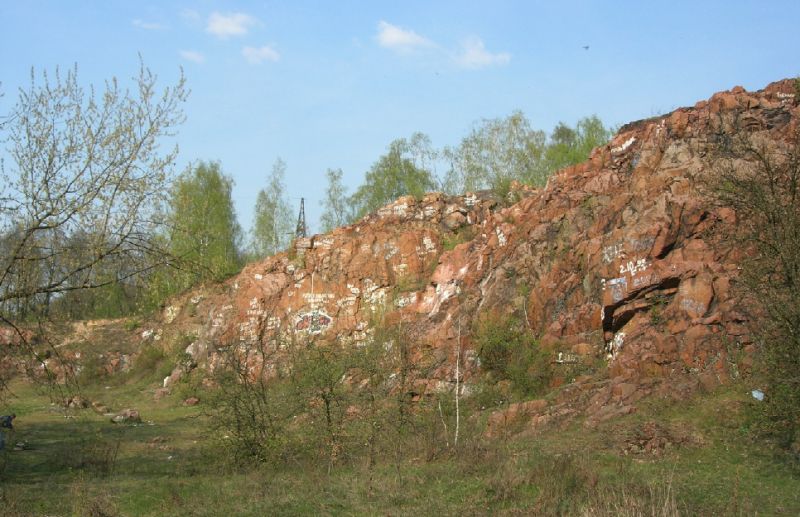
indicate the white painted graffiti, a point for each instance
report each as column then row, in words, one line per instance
column 612, row 252
column 324, row 243
column 640, row 281
column 615, row 345
column 347, row 301
column 618, row 287
column 273, row 322
column 428, row 246
column 501, row 237
column 470, row 200
column 317, row 298
column 566, row 358
column 313, row 322
column 624, row 146
column 634, row 267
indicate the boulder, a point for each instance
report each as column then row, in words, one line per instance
column 127, row 416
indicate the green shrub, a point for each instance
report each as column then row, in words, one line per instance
column 149, row 358
column 761, row 182
column 460, row 236
column 508, row 352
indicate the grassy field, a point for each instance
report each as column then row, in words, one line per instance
column 173, row 464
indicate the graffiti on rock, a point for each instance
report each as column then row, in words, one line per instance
column 624, row 146
column 618, row 287
column 644, row 280
column 615, row 345
column 634, row 266
column 612, row 252
column 314, row 321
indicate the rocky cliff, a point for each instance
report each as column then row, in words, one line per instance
column 620, row 258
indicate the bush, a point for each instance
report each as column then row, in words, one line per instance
column 460, row 236
column 758, row 175
column 508, row 352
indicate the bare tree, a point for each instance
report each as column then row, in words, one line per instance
column 758, row 175
column 82, row 185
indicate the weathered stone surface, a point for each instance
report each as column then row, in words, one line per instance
column 76, row 402
column 500, row 421
column 100, row 408
column 583, row 349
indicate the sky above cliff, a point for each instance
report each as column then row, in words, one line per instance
column 330, row 84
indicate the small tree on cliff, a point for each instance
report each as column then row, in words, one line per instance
column 395, row 174
column 568, row 146
column 272, row 222
column 336, row 211
column 759, row 177
column 495, row 152
column 500, row 150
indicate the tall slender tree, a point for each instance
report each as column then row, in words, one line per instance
column 272, row 222
column 336, row 211
column 205, row 233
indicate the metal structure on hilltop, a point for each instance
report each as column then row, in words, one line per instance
column 300, row 230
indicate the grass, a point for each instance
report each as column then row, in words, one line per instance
column 172, row 465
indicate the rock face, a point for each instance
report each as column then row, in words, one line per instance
column 619, row 257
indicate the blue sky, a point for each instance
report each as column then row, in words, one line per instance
column 330, row 84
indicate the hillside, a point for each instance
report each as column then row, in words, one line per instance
column 617, row 281
column 619, row 258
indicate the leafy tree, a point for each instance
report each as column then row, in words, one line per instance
column 395, row 174
column 336, row 211
column 501, row 150
column 84, row 168
column 496, row 152
column 205, row 234
column 568, row 146
column 421, row 152
column 273, row 218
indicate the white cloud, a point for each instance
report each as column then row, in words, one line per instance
column 474, row 55
column 399, row 39
column 148, row 26
column 193, row 56
column 257, row 55
column 225, row 25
